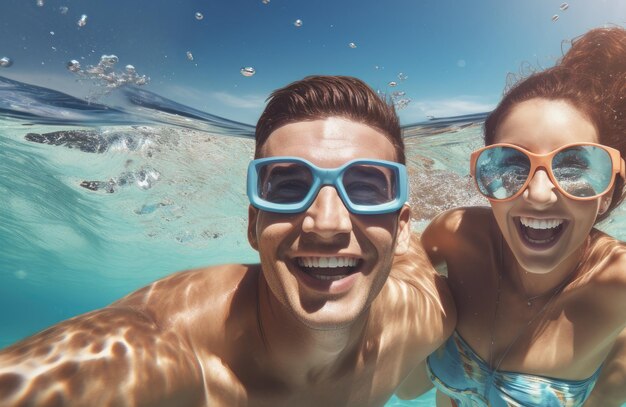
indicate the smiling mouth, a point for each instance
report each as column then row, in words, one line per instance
column 540, row 233
column 328, row 268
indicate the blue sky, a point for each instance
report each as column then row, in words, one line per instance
column 455, row 54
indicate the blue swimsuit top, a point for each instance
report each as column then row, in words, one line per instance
column 462, row 375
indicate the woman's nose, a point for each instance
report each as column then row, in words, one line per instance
column 540, row 191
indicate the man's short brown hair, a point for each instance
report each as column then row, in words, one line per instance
column 320, row 97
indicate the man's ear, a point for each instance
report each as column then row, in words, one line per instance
column 253, row 213
column 403, row 234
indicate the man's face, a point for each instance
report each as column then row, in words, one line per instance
column 326, row 264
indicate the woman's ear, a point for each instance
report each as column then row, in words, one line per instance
column 605, row 202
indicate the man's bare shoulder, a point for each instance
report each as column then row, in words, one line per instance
column 424, row 302
column 178, row 298
column 96, row 359
column 140, row 348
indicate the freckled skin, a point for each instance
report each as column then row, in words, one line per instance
column 220, row 336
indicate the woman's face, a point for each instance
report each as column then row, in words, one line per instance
column 541, row 226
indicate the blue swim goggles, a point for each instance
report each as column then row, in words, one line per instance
column 290, row 184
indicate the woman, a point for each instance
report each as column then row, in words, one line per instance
column 540, row 293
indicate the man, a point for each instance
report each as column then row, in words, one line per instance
column 320, row 321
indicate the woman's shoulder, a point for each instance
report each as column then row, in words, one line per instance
column 608, row 256
column 452, row 219
column 604, row 278
column 460, row 224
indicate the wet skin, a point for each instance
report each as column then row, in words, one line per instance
column 542, row 126
column 487, row 250
column 327, row 229
column 269, row 334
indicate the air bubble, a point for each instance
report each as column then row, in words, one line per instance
column 298, row 23
column 109, row 60
column 402, row 77
column 73, row 66
column 392, row 84
column 189, row 56
column 247, row 71
column 352, row 45
column 40, row 3
column 5, row 62
column 199, row 16
column 555, row 18
column 51, row 32
column 401, row 103
column 265, row 1
column 564, row 6
column 105, row 76
column 83, row 20
column 63, row 10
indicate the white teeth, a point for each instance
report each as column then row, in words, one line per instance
column 540, row 223
column 327, row 262
column 329, row 278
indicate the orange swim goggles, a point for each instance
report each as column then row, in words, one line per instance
column 580, row 171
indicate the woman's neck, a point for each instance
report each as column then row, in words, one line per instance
column 535, row 284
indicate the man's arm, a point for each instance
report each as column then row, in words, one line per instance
column 113, row 356
column 434, row 313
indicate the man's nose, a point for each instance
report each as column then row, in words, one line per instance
column 540, row 192
column 327, row 216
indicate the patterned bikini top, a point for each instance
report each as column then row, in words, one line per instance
column 458, row 372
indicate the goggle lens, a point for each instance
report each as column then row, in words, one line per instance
column 284, row 183
column 582, row 171
column 290, row 184
column 501, row 172
column 369, row 184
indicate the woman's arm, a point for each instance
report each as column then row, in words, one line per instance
column 610, row 390
column 415, row 384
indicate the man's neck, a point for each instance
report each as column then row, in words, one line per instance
column 303, row 355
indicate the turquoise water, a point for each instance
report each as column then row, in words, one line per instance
column 66, row 249
column 167, row 180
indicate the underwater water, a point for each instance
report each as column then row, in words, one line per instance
column 93, row 212
column 125, row 126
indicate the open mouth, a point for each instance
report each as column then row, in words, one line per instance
column 540, row 233
column 328, row 268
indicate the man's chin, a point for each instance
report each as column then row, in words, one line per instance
column 332, row 315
